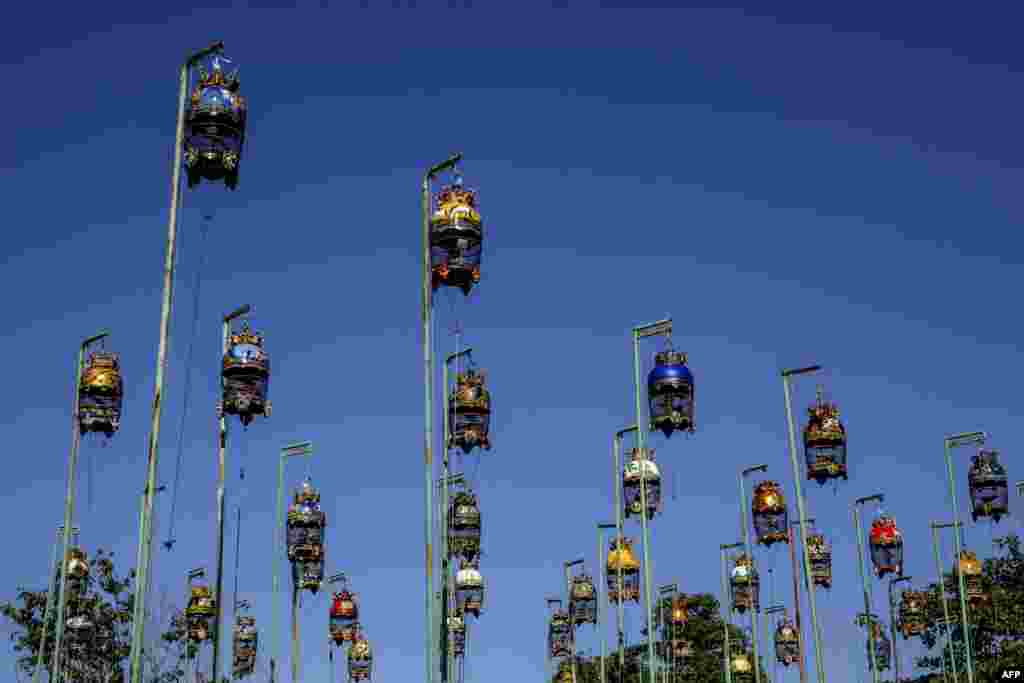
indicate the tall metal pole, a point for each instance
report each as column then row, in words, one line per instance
column 572, row 616
column 69, row 505
column 892, row 624
column 819, row 652
column 301, row 448
column 755, row 609
column 951, row 442
column 864, row 580
column 660, row 327
column 142, row 577
column 426, row 306
column 295, row 634
column 222, row 441
column 50, row 597
column 446, row 522
column 602, row 591
column 935, row 526
column 617, row 484
column 796, row 604
column 727, row 610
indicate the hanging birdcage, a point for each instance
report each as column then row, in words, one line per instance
column 682, row 649
column 360, row 660
column 306, row 523
column 244, row 646
column 78, row 570
column 469, row 588
column 469, row 412
column 464, row 532
column 679, row 611
column 825, row 442
column 787, row 643
column 771, row 520
column 560, row 634
column 989, row 487
column 741, row 666
column 670, row 393
column 456, row 238
column 820, row 553
column 886, row 546
column 641, row 467
column 913, row 613
column 100, row 393
column 215, row 124
column 621, row 559
column 565, row 673
column 882, row 644
column 308, row 575
column 344, row 617
column 974, row 580
column 745, row 584
column 245, row 376
column 583, row 600
column 202, row 606
column 457, row 634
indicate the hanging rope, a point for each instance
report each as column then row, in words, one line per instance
column 196, row 289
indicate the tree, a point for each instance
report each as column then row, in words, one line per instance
column 997, row 631
column 704, row 632
column 106, row 599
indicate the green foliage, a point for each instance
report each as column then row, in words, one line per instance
column 703, row 630
column 107, row 599
column 997, row 631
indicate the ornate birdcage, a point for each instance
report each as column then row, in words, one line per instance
column 641, row 468
column 78, row 570
column 882, row 644
column 560, row 634
column 771, row 520
column 469, row 412
column 464, row 530
column 681, row 648
column 741, row 666
column 456, row 238
column 583, row 600
column 201, row 608
column 820, row 553
column 308, row 575
column 825, row 442
column 622, row 560
column 100, row 393
column 787, row 642
column 244, row 646
column 215, row 124
column 987, row 481
column 974, row 580
column 745, row 584
column 306, row 524
column 469, row 588
column 670, row 393
column 457, row 634
column 360, row 660
column 679, row 611
column 886, row 546
column 245, row 376
column 913, row 613
column 344, row 617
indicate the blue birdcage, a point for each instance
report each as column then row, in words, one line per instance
column 670, row 393
column 215, row 123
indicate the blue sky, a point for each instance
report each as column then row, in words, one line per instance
column 793, row 187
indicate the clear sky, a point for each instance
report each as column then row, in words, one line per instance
column 812, row 187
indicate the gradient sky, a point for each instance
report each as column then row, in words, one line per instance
column 818, row 186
